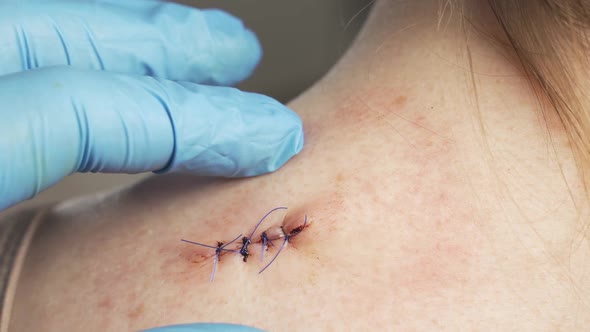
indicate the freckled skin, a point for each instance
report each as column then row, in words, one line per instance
column 386, row 241
column 414, row 222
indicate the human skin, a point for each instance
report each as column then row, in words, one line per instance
column 435, row 204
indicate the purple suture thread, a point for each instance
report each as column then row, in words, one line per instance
column 293, row 233
column 246, row 241
column 265, row 241
column 220, row 247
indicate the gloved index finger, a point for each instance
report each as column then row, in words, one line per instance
column 142, row 37
column 96, row 121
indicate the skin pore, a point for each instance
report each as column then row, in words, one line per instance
column 440, row 198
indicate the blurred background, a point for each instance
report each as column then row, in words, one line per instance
column 301, row 41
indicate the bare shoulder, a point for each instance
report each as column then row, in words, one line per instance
column 366, row 258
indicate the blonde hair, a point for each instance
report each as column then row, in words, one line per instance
column 550, row 38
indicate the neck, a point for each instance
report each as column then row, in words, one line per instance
column 416, row 111
column 407, row 49
column 423, row 88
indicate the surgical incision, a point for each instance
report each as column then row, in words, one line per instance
column 266, row 239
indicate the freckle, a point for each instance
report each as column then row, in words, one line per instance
column 105, row 303
column 136, row 312
column 339, row 177
column 400, row 101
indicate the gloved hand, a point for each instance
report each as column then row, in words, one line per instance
column 204, row 327
column 113, row 86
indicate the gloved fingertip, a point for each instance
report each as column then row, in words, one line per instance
column 225, row 132
column 239, row 46
column 204, row 327
column 289, row 145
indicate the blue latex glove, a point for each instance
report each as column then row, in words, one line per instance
column 204, row 327
column 113, row 86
